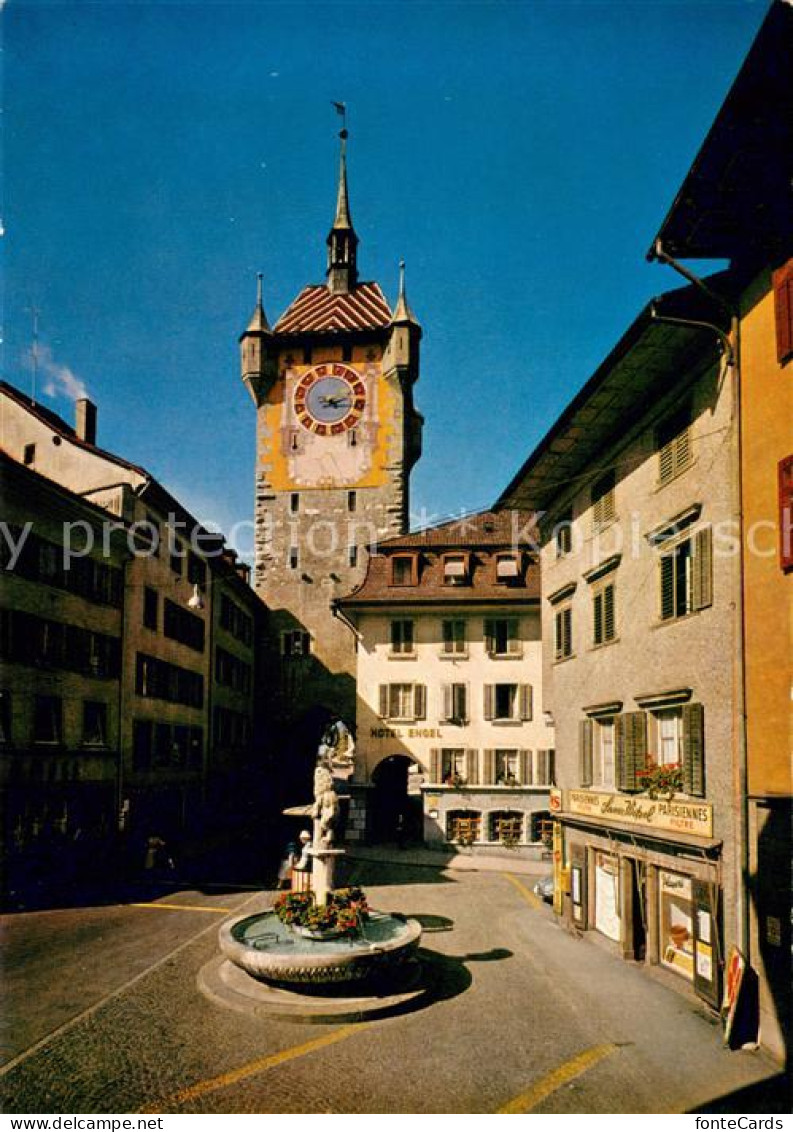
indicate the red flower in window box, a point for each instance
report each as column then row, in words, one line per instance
column 661, row 778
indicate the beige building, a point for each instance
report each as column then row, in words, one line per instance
column 186, row 704
column 452, row 742
column 634, row 483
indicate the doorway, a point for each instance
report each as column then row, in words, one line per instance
column 392, row 810
column 638, row 910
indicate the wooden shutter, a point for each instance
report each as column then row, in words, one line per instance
column 419, row 701
column 786, row 513
column 541, row 766
column 524, row 767
column 489, row 775
column 490, row 642
column 586, row 734
column 667, row 586
column 702, row 569
column 435, row 764
column 694, row 749
column 525, row 693
column 631, row 742
column 472, row 767
column 447, row 692
column 384, row 701
column 513, row 636
column 567, row 625
column 609, row 626
column 782, row 280
column 597, row 617
column 489, row 696
column 463, row 702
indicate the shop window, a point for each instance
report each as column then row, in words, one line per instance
column 463, row 826
column 454, row 638
column 676, row 914
column 541, row 827
column 455, row 703
column 603, row 615
column 48, row 719
column 673, row 442
column 402, row 643
column 607, row 897
column 94, row 724
column 402, row 703
column 506, row 826
column 686, row 578
column 563, row 633
column 502, row 636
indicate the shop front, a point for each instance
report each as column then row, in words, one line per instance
column 651, row 894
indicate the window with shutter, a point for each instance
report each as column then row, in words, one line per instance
column 702, row 572
column 402, row 637
column 785, row 476
column 526, row 702
column 472, row 766
column 631, row 739
column 384, row 701
column 489, row 768
column 603, row 507
column 454, row 641
column 541, row 764
column 563, row 633
column 419, row 701
column 694, row 749
column 435, row 765
column 673, row 440
column 488, row 701
column 782, row 281
column 585, row 751
column 526, row 774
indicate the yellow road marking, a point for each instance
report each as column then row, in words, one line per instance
column 182, row 907
column 548, row 1084
column 254, row 1067
column 530, row 897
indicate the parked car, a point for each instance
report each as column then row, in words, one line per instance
column 544, row 889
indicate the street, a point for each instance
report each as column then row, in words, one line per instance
column 103, row 1015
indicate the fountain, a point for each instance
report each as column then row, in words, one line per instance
column 319, row 952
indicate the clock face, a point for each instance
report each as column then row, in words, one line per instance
column 330, row 399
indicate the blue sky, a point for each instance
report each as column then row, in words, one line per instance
column 519, row 156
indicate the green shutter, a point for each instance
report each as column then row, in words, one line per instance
column 489, row 775
column 597, row 611
column 702, row 568
column 567, row 622
column 609, row 627
column 667, row 586
column 694, row 749
column 631, row 748
column 585, row 751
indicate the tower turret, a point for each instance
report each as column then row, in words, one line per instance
column 342, row 241
column 257, row 362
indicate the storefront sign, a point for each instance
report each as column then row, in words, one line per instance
column 405, row 733
column 658, row 813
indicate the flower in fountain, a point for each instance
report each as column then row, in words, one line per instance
column 344, row 911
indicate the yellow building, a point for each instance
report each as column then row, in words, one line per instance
column 736, row 204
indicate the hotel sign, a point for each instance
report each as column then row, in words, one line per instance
column 675, row 816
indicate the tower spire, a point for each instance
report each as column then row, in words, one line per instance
column 342, row 241
column 402, row 310
column 258, row 318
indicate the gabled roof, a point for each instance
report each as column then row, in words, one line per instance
column 737, row 198
column 318, row 309
column 479, row 529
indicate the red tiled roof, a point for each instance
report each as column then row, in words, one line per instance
column 317, row 308
column 482, row 528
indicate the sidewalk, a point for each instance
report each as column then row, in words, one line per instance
column 504, row 862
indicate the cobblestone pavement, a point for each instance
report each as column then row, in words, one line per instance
column 105, row 1017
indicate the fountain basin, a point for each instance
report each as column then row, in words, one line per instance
column 272, row 952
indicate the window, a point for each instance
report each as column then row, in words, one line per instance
column 463, row 826
column 454, row 641
column 352, row 501
column 502, row 637
column 47, row 719
column 782, row 281
column 295, row 642
column 785, row 478
column 158, row 680
column 603, row 754
column 183, row 626
column 232, row 672
column 673, row 441
column 669, row 736
column 455, row 569
column 294, row 503
column 29, row 455
column 235, row 620
column 507, row 702
column 507, row 569
column 352, row 555
column 507, row 767
column 454, row 766
column 403, row 570
column 142, row 744
column 177, row 559
column 603, row 615
column 402, row 702
column 5, row 719
column 150, row 608
column 94, row 724
column 352, row 438
column 293, row 558
column 506, row 826
column 563, row 633
column 402, row 638
column 563, row 534
column 603, row 510
column 687, row 576
column 455, row 703
column 196, row 571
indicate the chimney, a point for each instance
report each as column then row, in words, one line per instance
column 85, row 420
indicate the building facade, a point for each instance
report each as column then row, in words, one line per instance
column 635, row 483
column 452, row 744
column 337, row 436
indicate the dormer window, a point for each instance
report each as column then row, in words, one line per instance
column 404, row 570
column 507, row 568
column 456, row 569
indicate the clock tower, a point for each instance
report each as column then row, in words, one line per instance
column 337, row 436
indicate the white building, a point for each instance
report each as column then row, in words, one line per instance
column 452, row 742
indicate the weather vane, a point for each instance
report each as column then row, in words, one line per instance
column 341, row 108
